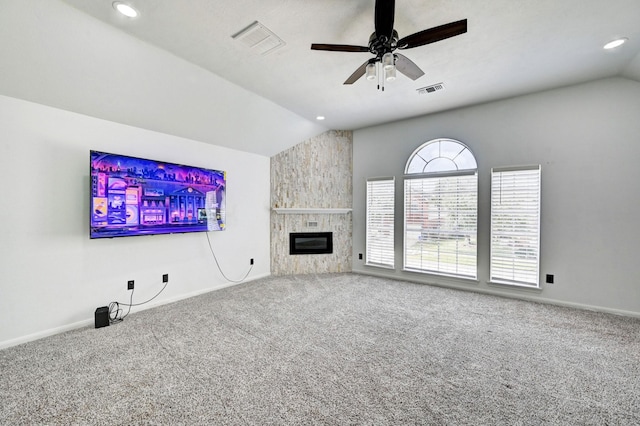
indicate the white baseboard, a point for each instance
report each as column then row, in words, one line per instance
column 46, row 333
column 199, row 292
column 85, row 323
column 521, row 294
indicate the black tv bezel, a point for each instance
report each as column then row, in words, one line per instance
column 93, row 235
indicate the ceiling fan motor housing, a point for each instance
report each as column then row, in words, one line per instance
column 382, row 44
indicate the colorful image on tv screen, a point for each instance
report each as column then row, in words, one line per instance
column 136, row 196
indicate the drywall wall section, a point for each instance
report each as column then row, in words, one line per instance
column 54, row 276
column 586, row 139
column 314, row 174
column 56, row 55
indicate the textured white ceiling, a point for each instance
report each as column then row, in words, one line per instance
column 511, row 48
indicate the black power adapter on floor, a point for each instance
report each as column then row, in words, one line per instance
column 102, row 316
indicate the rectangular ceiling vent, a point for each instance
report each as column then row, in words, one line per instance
column 431, row 89
column 259, row 38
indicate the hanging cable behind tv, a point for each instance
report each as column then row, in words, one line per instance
column 215, row 258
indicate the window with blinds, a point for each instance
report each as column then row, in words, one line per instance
column 441, row 210
column 515, row 226
column 380, row 222
column 441, row 224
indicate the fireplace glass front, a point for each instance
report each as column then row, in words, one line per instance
column 310, row 242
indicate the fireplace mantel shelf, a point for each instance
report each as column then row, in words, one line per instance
column 309, row 211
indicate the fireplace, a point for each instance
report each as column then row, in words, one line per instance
column 310, row 242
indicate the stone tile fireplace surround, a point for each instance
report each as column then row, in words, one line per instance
column 311, row 191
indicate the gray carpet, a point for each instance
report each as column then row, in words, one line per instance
column 333, row 349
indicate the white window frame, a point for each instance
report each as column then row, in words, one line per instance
column 451, row 164
column 380, row 218
column 442, row 237
column 515, row 238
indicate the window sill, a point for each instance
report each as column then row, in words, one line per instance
column 443, row 275
column 377, row 265
column 517, row 286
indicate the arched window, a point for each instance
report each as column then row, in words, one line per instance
column 440, row 155
column 441, row 209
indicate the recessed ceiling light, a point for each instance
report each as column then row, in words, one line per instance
column 615, row 43
column 320, row 117
column 125, row 9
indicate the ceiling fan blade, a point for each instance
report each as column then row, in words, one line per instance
column 357, row 73
column 433, row 34
column 384, row 16
column 407, row 67
column 339, row 47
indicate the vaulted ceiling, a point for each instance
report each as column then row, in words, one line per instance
column 511, row 48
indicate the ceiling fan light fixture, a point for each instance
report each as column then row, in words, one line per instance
column 390, row 74
column 388, row 61
column 125, row 9
column 371, row 71
column 615, row 43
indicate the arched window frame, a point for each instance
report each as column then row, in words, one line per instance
column 441, row 210
column 457, row 158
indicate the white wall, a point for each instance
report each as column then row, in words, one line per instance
column 587, row 139
column 53, row 54
column 53, row 276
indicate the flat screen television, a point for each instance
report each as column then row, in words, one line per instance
column 135, row 196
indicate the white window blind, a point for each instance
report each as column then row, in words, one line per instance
column 515, row 225
column 380, row 222
column 441, row 224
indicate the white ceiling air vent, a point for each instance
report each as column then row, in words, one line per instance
column 430, row 89
column 259, row 38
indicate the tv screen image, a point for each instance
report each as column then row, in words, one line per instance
column 136, row 196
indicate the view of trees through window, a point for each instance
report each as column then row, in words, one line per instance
column 440, row 225
column 441, row 210
column 441, row 217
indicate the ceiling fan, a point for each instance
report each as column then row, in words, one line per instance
column 384, row 41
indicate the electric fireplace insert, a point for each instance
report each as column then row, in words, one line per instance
column 310, row 242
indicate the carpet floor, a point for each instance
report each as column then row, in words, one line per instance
column 332, row 349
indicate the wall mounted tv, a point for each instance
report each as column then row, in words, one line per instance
column 135, row 196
